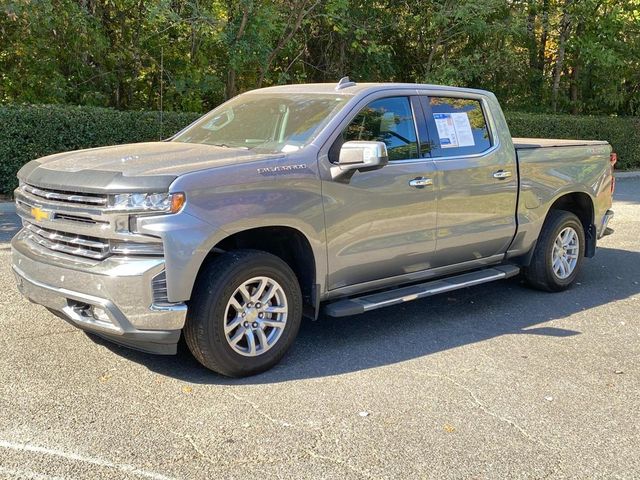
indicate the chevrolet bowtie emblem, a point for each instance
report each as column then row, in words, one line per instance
column 39, row 214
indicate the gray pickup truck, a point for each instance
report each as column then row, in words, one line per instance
column 289, row 200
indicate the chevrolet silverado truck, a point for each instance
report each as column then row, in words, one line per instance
column 291, row 200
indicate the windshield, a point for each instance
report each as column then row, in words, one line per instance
column 265, row 123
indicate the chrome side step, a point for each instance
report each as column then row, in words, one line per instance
column 354, row 306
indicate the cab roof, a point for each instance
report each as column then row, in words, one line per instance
column 360, row 88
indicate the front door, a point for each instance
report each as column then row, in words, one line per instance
column 382, row 223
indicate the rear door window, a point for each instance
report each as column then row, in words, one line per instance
column 457, row 126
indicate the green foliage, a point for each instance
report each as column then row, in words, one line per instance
column 572, row 56
column 623, row 133
column 29, row 132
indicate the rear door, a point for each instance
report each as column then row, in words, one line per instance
column 477, row 180
column 381, row 223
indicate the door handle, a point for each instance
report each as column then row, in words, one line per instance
column 501, row 174
column 421, row 182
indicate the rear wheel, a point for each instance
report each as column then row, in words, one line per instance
column 559, row 253
column 245, row 313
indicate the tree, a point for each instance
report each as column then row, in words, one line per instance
column 542, row 55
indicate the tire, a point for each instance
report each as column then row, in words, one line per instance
column 543, row 272
column 211, row 309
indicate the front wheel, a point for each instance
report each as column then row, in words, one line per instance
column 245, row 313
column 559, row 253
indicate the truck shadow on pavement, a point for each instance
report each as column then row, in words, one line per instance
column 333, row 346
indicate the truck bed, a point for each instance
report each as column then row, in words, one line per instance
column 527, row 143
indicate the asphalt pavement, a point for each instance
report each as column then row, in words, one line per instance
column 9, row 222
column 496, row 381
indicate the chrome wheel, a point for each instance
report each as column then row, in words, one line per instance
column 566, row 249
column 255, row 316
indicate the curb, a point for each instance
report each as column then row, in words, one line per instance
column 631, row 174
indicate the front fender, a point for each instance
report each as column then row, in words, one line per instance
column 227, row 200
column 187, row 241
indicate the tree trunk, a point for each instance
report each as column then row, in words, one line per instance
column 539, row 54
column 432, row 53
column 531, row 34
column 543, row 36
column 342, row 57
column 575, row 73
column 192, row 50
column 231, row 89
column 565, row 25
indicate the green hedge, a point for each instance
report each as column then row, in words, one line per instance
column 28, row 132
column 623, row 133
column 32, row 131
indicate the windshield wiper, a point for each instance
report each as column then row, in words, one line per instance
column 228, row 146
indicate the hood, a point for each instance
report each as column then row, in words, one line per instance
column 132, row 167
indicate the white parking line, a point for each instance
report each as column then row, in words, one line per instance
column 123, row 467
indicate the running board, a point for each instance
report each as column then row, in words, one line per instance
column 366, row 303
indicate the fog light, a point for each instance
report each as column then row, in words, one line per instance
column 100, row 314
column 136, row 248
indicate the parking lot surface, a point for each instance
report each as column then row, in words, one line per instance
column 495, row 381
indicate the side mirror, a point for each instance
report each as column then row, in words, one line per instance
column 360, row 155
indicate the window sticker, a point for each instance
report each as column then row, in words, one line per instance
column 463, row 129
column 454, row 130
column 446, row 131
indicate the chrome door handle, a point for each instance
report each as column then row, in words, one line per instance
column 421, row 182
column 501, row 174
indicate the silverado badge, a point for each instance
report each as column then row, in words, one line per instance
column 39, row 214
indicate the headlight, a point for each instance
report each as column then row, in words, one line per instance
column 147, row 202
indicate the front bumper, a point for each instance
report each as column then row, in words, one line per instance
column 112, row 298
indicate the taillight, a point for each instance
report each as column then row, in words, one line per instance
column 613, row 158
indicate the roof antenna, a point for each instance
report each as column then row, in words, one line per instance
column 345, row 83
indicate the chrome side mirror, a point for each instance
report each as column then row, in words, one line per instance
column 360, row 155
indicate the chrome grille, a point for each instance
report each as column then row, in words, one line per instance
column 79, row 224
column 77, row 218
column 92, row 199
column 79, row 245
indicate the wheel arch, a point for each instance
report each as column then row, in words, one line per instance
column 581, row 204
column 289, row 244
